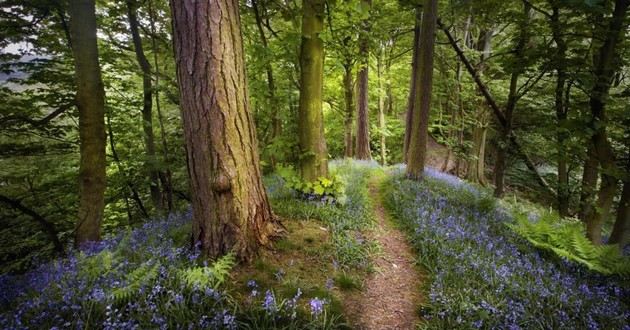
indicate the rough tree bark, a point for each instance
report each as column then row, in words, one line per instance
column 231, row 212
column 504, row 145
column 363, row 133
column 604, row 66
column 314, row 157
column 91, row 103
column 147, row 106
column 416, row 155
column 412, row 81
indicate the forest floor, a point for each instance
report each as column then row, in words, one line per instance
column 390, row 296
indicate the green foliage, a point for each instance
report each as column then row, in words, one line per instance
column 323, row 187
column 141, row 276
column 567, row 239
column 346, row 221
column 347, row 282
column 211, row 276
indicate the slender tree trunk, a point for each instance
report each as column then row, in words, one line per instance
column 381, row 106
column 276, row 124
column 91, row 103
column 561, row 110
column 604, row 71
column 231, row 212
column 476, row 171
column 112, row 146
column 389, row 93
column 147, row 107
column 416, row 155
column 589, row 183
column 349, row 103
column 314, row 157
column 504, row 144
column 166, row 176
column 363, row 124
column 496, row 110
column 412, row 81
column 476, row 167
column 460, row 101
column 621, row 229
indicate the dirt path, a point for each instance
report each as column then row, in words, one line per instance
column 390, row 295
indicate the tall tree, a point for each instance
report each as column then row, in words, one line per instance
column 147, row 105
column 90, row 100
column 363, row 132
column 416, row 154
column 412, row 82
column 348, row 96
column 559, row 61
column 504, row 144
column 476, row 171
column 381, row 103
column 314, row 157
column 231, row 212
column 604, row 69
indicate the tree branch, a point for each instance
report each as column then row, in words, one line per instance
column 495, row 109
column 47, row 226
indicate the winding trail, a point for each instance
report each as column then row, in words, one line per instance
column 390, row 296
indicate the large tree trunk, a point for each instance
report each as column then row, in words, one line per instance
column 276, row 124
column 604, row 71
column 363, row 132
column 91, row 103
column 561, row 110
column 314, row 157
column 416, row 155
column 504, row 145
column 412, row 81
column 231, row 212
column 349, row 104
column 147, row 107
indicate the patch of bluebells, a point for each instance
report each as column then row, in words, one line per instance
column 83, row 289
column 291, row 313
column 485, row 276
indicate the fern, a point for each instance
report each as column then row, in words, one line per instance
column 135, row 280
column 209, row 276
column 568, row 240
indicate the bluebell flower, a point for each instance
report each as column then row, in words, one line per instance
column 317, row 306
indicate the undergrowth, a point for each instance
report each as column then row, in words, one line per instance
column 484, row 275
column 346, row 221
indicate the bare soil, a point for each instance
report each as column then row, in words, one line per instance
column 390, row 295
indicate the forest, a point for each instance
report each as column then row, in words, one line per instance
column 315, row 164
